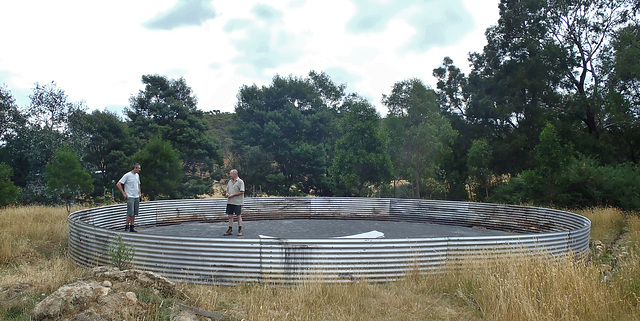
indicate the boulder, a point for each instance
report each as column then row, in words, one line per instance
column 109, row 294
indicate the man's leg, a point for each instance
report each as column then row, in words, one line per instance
column 130, row 213
column 136, row 210
column 230, row 230
column 239, row 224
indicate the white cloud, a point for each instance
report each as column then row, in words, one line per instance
column 98, row 52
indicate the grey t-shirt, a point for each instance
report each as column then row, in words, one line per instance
column 131, row 184
column 235, row 187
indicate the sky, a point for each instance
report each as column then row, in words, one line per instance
column 98, row 51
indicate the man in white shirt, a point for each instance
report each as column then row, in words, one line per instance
column 132, row 193
column 235, row 200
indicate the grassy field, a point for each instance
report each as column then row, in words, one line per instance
column 33, row 243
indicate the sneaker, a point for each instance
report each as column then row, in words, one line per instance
column 240, row 233
column 131, row 229
column 126, row 228
column 228, row 232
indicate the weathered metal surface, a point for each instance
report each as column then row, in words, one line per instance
column 283, row 261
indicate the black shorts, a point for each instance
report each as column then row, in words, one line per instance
column 234, row 209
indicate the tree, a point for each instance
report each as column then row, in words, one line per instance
column 66, row 178
column 50, row 109
column 452, row 82
column 32, row 143
column 168, row 108
column 10, row 117
column 622, row 99
column 478, row 161
column 28, row 151
column 513, row 83
column 626, row 64
column 582, row 28
column 291, row 124
column 419, row 136
column 8, row 191
column 454, row 97
column 361, row 160
column 161, row 169
column 108, row 145
column 546, row 183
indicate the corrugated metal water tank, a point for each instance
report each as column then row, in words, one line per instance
column 284, row 261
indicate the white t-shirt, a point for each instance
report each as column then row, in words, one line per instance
column 131, row 184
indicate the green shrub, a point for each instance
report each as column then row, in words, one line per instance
column 583, row 183
column 121, row 253
column 8, row 191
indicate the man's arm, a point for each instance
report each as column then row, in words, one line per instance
column 121, row 190
column 236, row 194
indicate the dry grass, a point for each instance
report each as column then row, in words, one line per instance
column 540, row 288
column 410, row 299
column 607, row 224
column 32, row 232
column 533, row 288
column 606, row 287
column 626, row 273
column 33, row 241
column 32, row 247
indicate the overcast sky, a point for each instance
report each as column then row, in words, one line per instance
column 97, row 51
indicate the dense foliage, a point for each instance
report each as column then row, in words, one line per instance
column 162, row 170
column 66, row 179
column 548, row 115
column 8, row 191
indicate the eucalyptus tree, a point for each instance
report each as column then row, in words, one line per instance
column 10, row 116
column 43, row 127
column 622, row 102
column 583, row 29
column 479, row 171
column 362, row 162
column 50, row 108
column 419, row 136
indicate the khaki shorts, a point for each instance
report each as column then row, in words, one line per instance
column 133, row 206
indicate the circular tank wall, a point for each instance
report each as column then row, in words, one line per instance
column 278, row 259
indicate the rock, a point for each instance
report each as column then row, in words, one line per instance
column 141, row 278
column 131, row 297
column 67, row 298
column 109, row 294
column 103, row 269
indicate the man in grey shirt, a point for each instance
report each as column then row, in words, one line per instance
column 235, row 200
column 132, row 193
